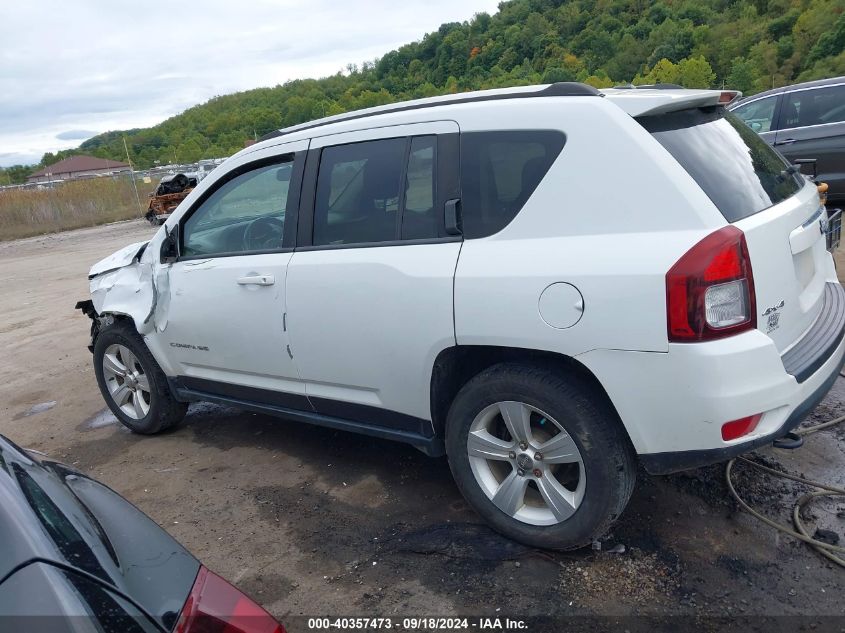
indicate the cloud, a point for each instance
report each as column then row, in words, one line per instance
column 75, row 135
column 90, row 68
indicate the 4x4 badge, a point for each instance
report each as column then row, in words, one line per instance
column 773, row 315
column 774, row 308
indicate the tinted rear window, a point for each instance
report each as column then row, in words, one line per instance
column 735, row 167
column 499, row 172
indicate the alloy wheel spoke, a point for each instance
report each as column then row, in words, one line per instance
column 112, row 365
column 121, row 395
column 482, row 444
column 510, row 496
column 128, row 358
column 558, row 499
column 561, row 449
column 517, row 418
column 138, row 403
column 143, row 382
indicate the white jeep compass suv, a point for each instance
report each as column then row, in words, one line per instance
column 548, row 283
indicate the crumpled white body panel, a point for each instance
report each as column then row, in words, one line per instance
column 125, row 285
column 118, row 259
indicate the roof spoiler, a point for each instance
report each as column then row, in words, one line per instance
column 657, row 86
column 650, row 101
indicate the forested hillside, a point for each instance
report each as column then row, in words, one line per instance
column 751, row 45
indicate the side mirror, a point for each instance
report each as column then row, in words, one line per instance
column 170, row 245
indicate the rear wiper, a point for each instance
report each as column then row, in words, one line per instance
column 789, row 171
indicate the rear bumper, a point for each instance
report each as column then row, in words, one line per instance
column 805, row 358
column 674, row 404
column 671, row 462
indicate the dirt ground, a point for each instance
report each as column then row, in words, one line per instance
column 316, row 522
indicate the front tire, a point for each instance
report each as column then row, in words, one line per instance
column 540, row 455
column 133, row 385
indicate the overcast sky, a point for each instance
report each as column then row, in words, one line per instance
column 70, row 70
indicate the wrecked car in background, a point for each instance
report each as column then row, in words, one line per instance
column 170, row 192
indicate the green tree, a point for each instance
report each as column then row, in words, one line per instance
column 695, row 72
column 15, row 174
column 742, row 75
column 663, row 72
column 830, row 43
column 599, row 80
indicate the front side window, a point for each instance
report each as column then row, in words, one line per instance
column 759, row 114
column 499, row 172
column 817, row 106
column 246, row 214
column 358, row 192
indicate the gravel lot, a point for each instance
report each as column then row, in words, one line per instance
column 317, row 522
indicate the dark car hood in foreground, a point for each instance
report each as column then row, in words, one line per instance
column 50, row 512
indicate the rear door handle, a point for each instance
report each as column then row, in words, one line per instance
column 257, row 280
column 452, row 216
column 785, row 141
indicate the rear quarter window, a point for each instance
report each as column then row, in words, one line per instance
column 737, row 169
column 499, row 172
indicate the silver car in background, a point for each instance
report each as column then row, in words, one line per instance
column 804, row 122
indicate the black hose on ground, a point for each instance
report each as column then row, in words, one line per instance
column 825, row 549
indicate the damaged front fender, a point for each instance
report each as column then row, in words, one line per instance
column 123, row 284
column 127, row 291
column 118, row 259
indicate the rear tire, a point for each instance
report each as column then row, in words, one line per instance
column 133, row 385
column 563, row 499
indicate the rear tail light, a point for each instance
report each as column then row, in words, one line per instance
column 215, row 606
column 738, row 428
column 710, row 290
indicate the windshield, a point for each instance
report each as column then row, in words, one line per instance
column 737, row 169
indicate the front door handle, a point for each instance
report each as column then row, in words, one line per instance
column 785, row 141
column 257, row 280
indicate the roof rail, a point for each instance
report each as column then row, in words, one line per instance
column 559, row 89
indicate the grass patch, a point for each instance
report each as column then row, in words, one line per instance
column 72, row 205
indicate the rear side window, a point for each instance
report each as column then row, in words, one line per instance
column 737, row 169
column 358, row 189
column 499, row 172
column 418, row 218
column 813, row 107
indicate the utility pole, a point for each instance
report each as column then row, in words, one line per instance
column 132, row 176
